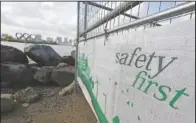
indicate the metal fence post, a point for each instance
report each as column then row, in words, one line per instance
column 85, row 17
column 77, row 42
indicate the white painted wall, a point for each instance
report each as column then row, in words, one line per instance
column 171, row 97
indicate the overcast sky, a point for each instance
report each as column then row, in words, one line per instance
column 52, row 18
column 46, row 18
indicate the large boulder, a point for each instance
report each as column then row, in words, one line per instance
column 17, row 75
column 73, row 54
column 7, row 104
column 61, row 65
column 12, row 55
column 27, row 95
column 43, row 55
column 6, row 96
column 5, row 84
column 69, row 60
column 33, row 65
column 43, row 75
column 63, row 76
column 35, row 69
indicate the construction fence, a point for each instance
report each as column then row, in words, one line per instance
column 136, row 60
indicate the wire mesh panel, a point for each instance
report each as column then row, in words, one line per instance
column 97, row 17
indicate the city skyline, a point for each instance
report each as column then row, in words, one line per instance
column 59, row 39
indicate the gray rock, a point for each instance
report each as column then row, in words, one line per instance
column 25, row 105
column 73, row 54
column 67, row 90
column 43, row 75
column 5, row 84
column 7, row 105
column 61, row 65
column 27, row 95
column 43, row 55
column 32, row 65
column 12, row 55
column 63, row 76
column 35, row 69
column 69, row 60
column 26, row 119
column 17, row 75
column 8, row 96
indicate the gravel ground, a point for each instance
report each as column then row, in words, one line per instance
column 52, row 108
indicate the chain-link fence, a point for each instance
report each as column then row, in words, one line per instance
column 100, row 18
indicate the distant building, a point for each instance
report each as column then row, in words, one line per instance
column 74, row 42
column 59, row 40
column 49, row 39
column 38, row 37
column 70, row 41
column 3, row 36
column 65, row 41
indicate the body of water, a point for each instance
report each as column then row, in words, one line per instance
column 62, row 50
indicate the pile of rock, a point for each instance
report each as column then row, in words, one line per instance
column 50, row 67
column 25, row 96
column 16, row 71
column 29, row 95
column 7, row 104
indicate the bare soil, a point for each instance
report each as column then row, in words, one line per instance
column 52, row 108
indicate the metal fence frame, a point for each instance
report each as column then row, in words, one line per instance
column 154, row 19
column 175, row 11
column 122, row 8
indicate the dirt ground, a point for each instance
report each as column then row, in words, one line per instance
column 52, row 108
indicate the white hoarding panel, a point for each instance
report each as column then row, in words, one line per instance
column 144, row 76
